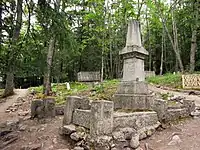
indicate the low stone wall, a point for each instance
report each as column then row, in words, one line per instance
column 98, row 126
column 136, row 120
column 82, row 118
column 167, row 114
column 175, row 114
column 103, row 129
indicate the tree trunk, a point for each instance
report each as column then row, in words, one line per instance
column 162, row 53
column 174, row 46
column 194, row 37
column 193, row 50
column 1, row 35
column 102, row 65
column 47, row 76
column 9, row 89
column 111, row 60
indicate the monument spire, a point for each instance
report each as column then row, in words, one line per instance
column 133, row 35
column 132, row 92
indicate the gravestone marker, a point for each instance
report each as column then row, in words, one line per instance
column 88, row 76
column 132, row 92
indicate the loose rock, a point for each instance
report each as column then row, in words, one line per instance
column 175, row 140
column 78, row 148
column 128, row 132
column 134, row 142
column 143, row 135
column 68, row 129
column 75, row 136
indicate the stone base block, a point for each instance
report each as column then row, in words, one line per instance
column 82, row 118
column 133, row 102
column 133, row 87
column 43, row 108
column 160, row 106
column 136, row 120
column 175, row 114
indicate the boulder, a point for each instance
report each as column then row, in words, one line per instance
column 68, row 129
column 134, row 142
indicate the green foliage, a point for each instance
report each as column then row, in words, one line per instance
column 170, row 80
column 86, row 31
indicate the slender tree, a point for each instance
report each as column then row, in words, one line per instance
column 13, row 49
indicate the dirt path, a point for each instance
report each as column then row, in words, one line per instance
column 196, row 98
column 9, row 101
column 188, row 131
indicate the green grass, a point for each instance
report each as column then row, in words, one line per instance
column 60, row 91
column 1, row 92
column 169, row 80
column 103, row 90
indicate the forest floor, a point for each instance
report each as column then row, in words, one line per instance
column 34, row 133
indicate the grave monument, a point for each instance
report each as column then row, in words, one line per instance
column 101, row 125
column 132, row 92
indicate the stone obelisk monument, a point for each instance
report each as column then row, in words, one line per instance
column 132, row 92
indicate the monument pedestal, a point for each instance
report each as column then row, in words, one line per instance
column 133, row 95
column 133, row 102
column 132, row 92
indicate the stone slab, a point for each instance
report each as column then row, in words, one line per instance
column 82, row 118
column 72, row 103
column 175, row 114
column 101, row 118
column 88, row 76
column 133, row 102
column 133, row 87
column 136, row 120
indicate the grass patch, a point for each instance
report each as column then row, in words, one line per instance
column 1, row 92
column 169, row 80
column 104, row 90
column 60, row 91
